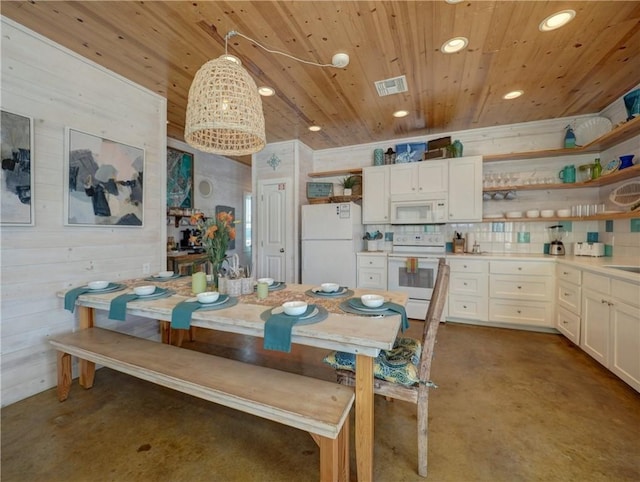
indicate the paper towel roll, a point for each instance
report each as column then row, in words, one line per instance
column 470, row 240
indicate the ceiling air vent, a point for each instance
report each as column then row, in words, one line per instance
column 391, row 86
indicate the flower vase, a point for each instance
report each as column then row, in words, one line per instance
column 216, row 272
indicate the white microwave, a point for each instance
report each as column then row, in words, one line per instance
column 418, row 208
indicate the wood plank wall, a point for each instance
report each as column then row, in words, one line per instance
column 59, row 88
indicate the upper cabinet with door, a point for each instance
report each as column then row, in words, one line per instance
column 459, row 178
column 375, row 195
column 465, row 189
column 418, row 178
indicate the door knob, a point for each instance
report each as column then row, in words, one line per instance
column 282, row 250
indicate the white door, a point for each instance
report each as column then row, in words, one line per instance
column 273, row 225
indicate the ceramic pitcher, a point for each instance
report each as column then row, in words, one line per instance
column 568, row 173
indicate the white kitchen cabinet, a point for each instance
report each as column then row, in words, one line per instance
column 375, row 195
column 611, row 325
column 465, row 189
column 521, row 292
column 372, row 271
column 419, row 178
column 569, row 299
column 468, row 289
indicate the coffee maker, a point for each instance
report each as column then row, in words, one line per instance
column 556, row 233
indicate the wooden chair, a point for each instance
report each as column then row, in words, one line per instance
column 417, row 393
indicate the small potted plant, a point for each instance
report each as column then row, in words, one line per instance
column 348, row 183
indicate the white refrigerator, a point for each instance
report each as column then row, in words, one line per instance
column 331, row 237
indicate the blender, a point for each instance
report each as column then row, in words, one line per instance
column 556, row 247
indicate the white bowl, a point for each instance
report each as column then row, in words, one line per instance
column 533, row 213
column 329, row 287
column 564, row 213
column 208, row 296
column 98, row 285
column 547, row 213
column 269, row 281
column 144, row 290
column 165, row 274
column 294, row 308
column 513, row 214
column 372, row 301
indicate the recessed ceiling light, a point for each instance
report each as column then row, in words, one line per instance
column 401, row 113
column 266, row 91
column 315, row 128
column 513, row 94
column 453, row 1
column 557, row 20
column 454, row 45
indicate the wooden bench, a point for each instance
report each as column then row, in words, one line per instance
column 315, row 406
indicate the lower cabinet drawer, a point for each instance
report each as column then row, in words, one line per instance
column 372, row 261
column 534, row 313
column 468, row 307
column 516, row 287
column 468, row 284
column 569, row 297
column 568, row 324
column 372, row 278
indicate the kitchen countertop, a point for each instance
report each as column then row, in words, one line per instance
column 595, row 264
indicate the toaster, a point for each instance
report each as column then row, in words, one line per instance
column 588, row 249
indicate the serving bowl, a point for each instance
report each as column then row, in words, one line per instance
column 165, row 274
column 98, row 285
column 372, row 301
column 144, row 290
column 564, row 213
column 329, row 287
column 208, row 296
column 533, row 213
column 513, row 214
column 294, row 308
column 547, row 213
column 269, row 281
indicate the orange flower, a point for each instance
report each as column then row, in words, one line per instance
column 195, row 218
column 211, row 232
column 232, row 233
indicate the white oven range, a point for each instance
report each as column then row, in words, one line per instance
column 412, row 268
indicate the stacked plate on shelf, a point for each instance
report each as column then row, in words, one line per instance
column 592, row 129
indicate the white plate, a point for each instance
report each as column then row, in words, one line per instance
column 592, row 129
column 492, row 216
column 514, row 214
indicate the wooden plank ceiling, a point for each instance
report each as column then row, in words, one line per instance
column 578, row 69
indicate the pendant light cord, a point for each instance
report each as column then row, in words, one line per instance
column 232, row 33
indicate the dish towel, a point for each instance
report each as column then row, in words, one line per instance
column 277, row 330
column 118, row 306
column 71, row 296
column 403, row 313
column 181, row 314
column 412, row 265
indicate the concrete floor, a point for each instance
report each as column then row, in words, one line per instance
column 511, row 406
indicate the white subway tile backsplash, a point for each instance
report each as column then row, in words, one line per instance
column 493, row 240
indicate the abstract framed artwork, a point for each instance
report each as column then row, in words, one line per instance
column 17, row 180
column 103, row 181
column 179, row 178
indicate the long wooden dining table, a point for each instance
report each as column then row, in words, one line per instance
column 362, row 335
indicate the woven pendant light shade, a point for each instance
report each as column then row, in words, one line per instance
column 224, row 111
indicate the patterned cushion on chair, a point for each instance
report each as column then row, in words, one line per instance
column 398, row 365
